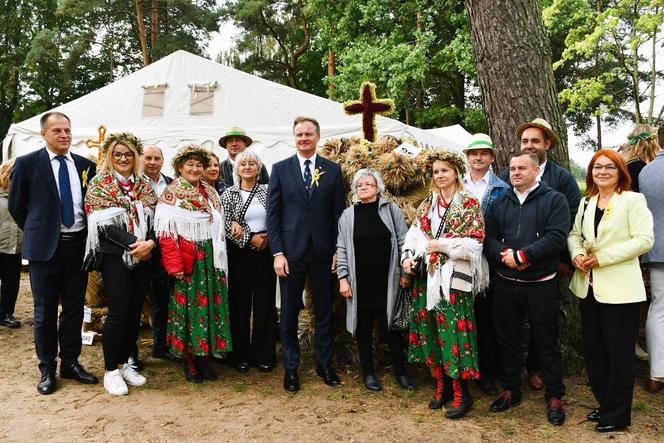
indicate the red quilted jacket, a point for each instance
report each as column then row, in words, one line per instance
column 177, row 256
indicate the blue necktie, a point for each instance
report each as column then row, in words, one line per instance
column 307, row 177
column 66, row 200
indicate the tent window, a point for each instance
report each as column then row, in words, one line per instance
column 202, row 98
column 153, row 100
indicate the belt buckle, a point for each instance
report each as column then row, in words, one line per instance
column 67, row 236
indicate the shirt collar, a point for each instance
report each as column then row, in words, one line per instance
column 52, row 155
column 121, row 179
column 541, row 172
column 467, row 179
column 302, row 159
column 527, row 191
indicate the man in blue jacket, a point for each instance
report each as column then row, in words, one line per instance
column 487, row 188
column 524, row 231
column 46, row 201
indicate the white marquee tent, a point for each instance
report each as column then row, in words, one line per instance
column 186, row 99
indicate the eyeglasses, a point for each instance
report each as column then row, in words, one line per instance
column 608, row 168
column 118, row 155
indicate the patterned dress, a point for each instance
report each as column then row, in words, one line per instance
column 198, row 318
column 446, row 335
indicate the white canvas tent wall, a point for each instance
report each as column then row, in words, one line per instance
column 265, row 109
column 454, row 132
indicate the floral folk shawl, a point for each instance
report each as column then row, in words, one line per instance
column 106, row 204
column 463, row 220
column 184, row 212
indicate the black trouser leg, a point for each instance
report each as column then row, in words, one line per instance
column 162, row 292
column 608, row 343
column 320, row 280
column 543, row 307
column 487, row 344
column 75, row 280
column 126, row 292
column 364, row 337
column 395, row 342
column 240, row 301
column 10, row 279
column 532, row 359
column 508, row 316
column 264, row 282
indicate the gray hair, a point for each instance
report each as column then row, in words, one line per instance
column 367, row 172
column 247, row 155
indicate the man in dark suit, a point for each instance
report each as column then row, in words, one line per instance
column 305, row 201
column 153, row 161
column 234, row 142
column 46, row 200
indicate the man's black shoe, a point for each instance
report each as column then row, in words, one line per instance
column 604, row 427
column 46, row 384
column 593, row 416
column 405, row 382
column 242, row 367
column 74, row 371
column 9, row 321
column 504, row 401
column 556, row 412
column 167, row 355
column 264, row 367
column 328, row 375
column 371, row 383
column 291, row 380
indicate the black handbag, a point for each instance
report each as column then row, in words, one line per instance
column 402, row 310
column 119, row 237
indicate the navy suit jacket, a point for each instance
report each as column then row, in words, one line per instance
column 295, row 221
column 34, row 202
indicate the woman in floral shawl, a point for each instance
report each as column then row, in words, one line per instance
column 190, row 227
column 447, row 236
column 120, row 207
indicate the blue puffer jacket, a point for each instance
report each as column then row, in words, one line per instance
column 538, row 228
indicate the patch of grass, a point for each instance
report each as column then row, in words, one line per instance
column 643, row 406
column 339, row 395
column 265, row 392
column 239, row 387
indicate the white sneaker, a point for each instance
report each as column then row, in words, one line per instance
column 114, row 384
column 132, row 377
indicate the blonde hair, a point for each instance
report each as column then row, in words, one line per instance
column 247, row 155
column 639, row 148
column 5, row 174
column 459, row 182
column 107, row 160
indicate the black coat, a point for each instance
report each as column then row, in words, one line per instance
column 539, row 228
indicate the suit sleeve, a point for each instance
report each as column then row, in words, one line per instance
column 555, row 232
column 493, row 246
column 18, row 193
column 339, row 199
column 274, row 208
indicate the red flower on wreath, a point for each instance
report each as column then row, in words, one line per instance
column 461, row 325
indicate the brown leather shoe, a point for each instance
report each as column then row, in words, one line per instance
column 536, row 383
column 654, row 386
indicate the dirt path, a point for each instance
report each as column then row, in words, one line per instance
column 253, row 406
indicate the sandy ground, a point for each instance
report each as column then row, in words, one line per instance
column 254, row 406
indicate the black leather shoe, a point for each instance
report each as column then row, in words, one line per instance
column 593, row 416
column 556, row 412
column 603, row 427
column 264, row 367
column 167, row 355
column 46, row 384
column 243, row 367
column 371, row 383
column 75, row 371
column 291, row 380
column 488, row 386
column 9, row 321
column 328, row 375
column 504, row 401
column 405, row 382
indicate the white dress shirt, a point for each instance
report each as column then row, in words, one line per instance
column 311, row 166
column 522, row 197
column 478, row 189
column 158, row 185
column 74, row 184
column 541, row 173
column 236, row 179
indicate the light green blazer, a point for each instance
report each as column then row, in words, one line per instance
column 624, row 233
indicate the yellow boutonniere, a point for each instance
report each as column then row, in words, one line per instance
column 84, row 178
column 607, row 210
column 316, row 177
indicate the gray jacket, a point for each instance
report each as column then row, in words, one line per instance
column 11, row 236
column 395, row 221
column 651, row 185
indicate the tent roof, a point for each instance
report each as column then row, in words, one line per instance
column 454, row 132
column 265, row 109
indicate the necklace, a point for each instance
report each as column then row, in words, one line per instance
column 441, row 203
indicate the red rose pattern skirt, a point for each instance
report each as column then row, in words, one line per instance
column 445, row 336
column 198, row 320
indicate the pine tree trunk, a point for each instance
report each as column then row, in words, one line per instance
column 512, row 57
column 141, row 32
